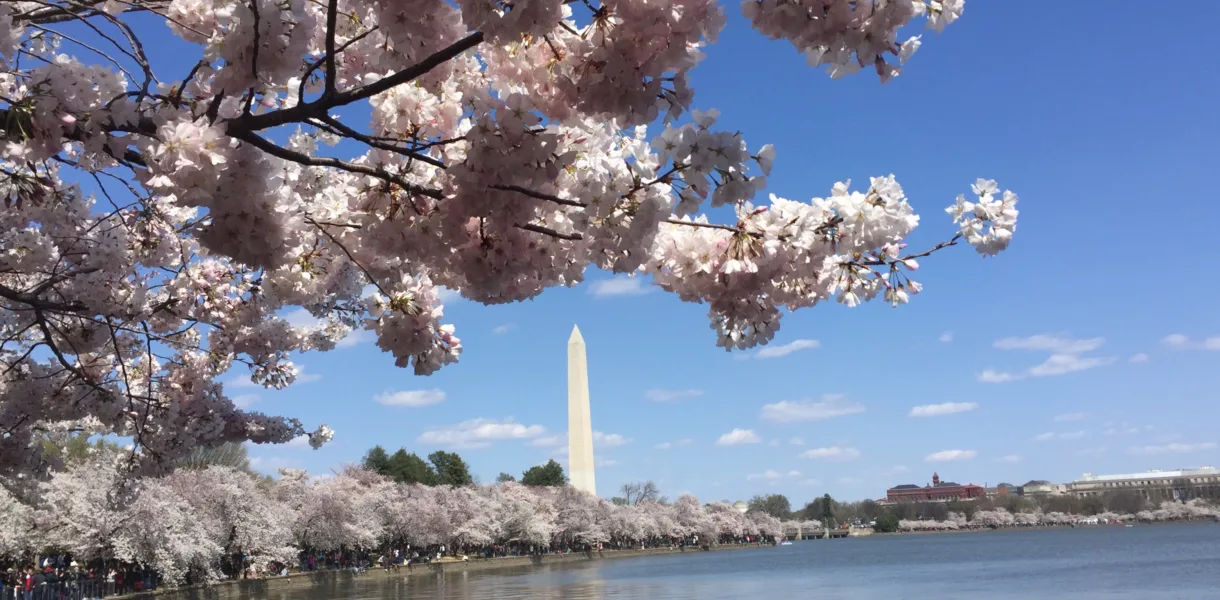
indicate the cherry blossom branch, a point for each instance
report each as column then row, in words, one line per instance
column 324, row 161
column 551, row 232
column 539, row 195
column 345, row 131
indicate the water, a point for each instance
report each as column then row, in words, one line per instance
column 1154, row 562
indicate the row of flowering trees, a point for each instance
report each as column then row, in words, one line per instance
column 194, row 523
column 1168, row 511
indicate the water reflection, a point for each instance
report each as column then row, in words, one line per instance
column 1142, row 563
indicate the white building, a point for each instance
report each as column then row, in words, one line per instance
column 1178, row 484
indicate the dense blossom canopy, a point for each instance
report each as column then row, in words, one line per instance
column 156, row 226
column 192, row 521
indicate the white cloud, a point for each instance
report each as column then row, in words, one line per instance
column 796, row 441
column 1050, row 435
column 770, row 475
column 480, row 433
column 831, row 453
column 1062, row 364
column 659, row 395
column 831, row 405
column 410, row 398
column 619, row 286
column 899, row 469
column 849, row 480
column 609, row 440
column 242, row 380
column 946, row 408
column 244, row 401
column 1125, row 429
column 811, row 482
column 737, row 437
column 600, row 440
column 1138, row 358
column 302, row 319
column 446, row 295
column 300, row 442
column 668, row 445
column 550, row 440
column 948, row 455
column 992, row 376
column 1055, row 344
column 773, row 443
column 1010, row 458
column 356, row 337
column 946, row 337
column 1076, row 416
column 1091, row 452
column 1180, row 341
column 604, row 462
column 1065, row 357
column 503, row 329
column 1175, row 448
column 784, row 349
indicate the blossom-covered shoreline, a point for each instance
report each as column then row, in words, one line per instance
column 216, row 523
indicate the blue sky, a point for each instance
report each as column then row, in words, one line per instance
column 1102, row 120
column 1104, row 146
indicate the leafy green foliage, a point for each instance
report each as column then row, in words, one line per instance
column 550, row 474
column 886, row 524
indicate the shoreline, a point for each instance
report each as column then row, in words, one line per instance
column 224, row 590
column 1040, row 528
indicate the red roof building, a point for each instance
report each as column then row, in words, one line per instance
column 938, row 491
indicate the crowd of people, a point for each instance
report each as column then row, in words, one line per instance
column 62, row 578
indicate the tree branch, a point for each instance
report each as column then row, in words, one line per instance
column 538, row 195
column 322, row 161
column 551, row 232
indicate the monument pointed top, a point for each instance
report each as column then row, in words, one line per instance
column 576, row 337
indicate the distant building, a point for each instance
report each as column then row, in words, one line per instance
column 1042, row 488
column 740, row 506
column 1002, row 490
column 1181, row 484
column 938, row 491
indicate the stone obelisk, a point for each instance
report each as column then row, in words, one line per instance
column 580, row 426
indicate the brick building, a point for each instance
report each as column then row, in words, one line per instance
column 937, row 491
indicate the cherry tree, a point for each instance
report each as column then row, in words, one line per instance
column 16, row 524
column 350, row 157
column 238, row 515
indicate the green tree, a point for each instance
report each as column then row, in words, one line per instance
column 72, row 448
column 828, row 511
column 377, row 461
column 410, row 468
column 886, row 524
column 776, row 505
column 619, row 501
column 550, row 474
column 450, row 469
column 505, row 478
column 228, row 454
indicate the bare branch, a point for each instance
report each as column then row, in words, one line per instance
column 332, row 17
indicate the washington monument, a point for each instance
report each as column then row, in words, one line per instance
column 580, row 427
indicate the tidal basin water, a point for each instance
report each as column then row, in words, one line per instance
column 1150, row 562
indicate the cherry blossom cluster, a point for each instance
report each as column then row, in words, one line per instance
column 193, row 521
column 351, row 157
column 849, row 35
